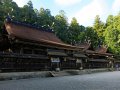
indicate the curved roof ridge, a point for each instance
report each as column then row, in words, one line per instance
column 102, row 49
column 35, row 26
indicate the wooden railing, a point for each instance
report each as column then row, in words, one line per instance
column 16, row 55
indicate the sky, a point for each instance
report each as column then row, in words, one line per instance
column 83, row 10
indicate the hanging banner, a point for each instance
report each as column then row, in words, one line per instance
column 78, row 61
column 55, row 60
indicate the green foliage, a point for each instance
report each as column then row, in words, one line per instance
column 61, row 26
column 112, row 40
column 8, row 7
column 112, row 33
column 109, row 20
column 45, row 18
column 100, row 33
column 99, row 28
column 27, row 13
column 74, row 31
column 91, row 37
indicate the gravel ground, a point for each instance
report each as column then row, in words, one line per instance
column 97, row 81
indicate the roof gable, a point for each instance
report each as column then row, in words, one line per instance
column 101, row 49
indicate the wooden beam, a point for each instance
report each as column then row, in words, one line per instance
column 29, row 56
column 43, row 44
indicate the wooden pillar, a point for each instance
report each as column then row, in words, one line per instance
column 21, row 51
column 79, row 62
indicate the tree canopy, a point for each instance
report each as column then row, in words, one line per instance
column 107, row 33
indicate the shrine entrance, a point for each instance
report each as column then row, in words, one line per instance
column 55, row 63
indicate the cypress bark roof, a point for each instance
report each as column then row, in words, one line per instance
column 28, row 32
column 85, row 45
column 102, row 50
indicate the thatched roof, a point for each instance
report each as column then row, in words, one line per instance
column 27, row 32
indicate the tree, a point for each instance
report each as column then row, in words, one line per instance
column 28, row 14
column 112, row 40
column 109, row 20
column 91, row 37
column 30, row 5
column 74, row 31
column 112, row 33
column 99, row 28
column 8, row 7
column 45, row 18
column 61, row 26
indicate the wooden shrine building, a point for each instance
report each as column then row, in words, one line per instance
column 98, row 58
column 25, row 47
